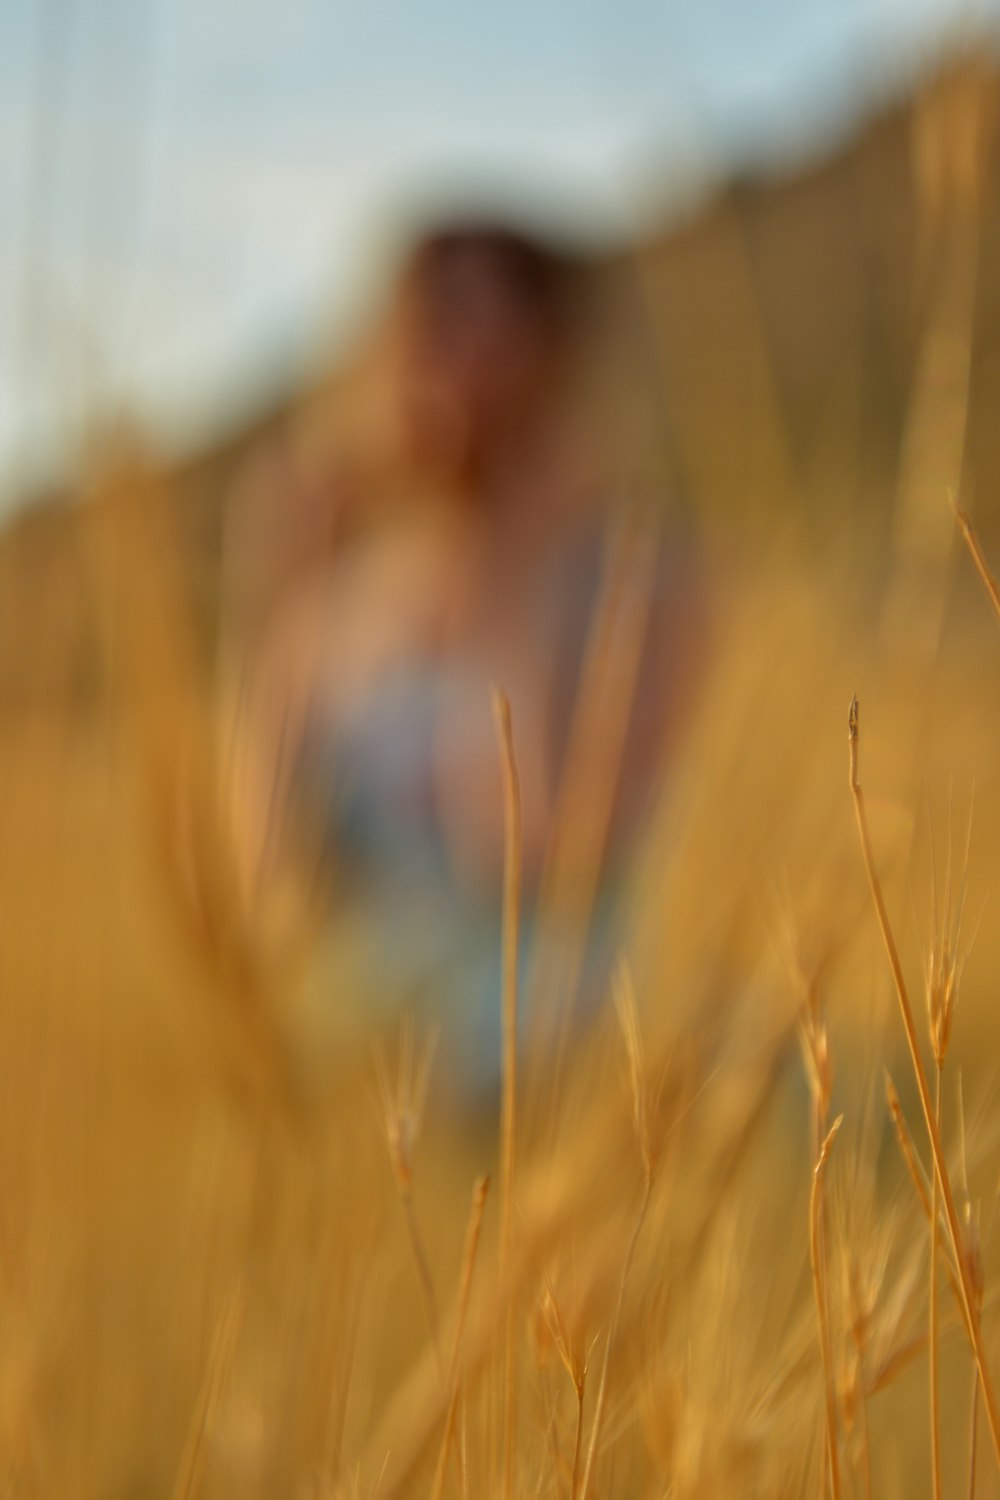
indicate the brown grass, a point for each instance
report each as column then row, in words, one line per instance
column 931, row 1116
column 222, row 1272
column 652, row 1253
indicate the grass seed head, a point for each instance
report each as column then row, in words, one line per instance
column 946, row 956
column 402, row 1103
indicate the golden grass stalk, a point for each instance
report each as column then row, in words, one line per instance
column 916, row 1175
column 402, row 1110
column 575, row 1360
column 583, row 815
column 549, row 1446
column 815, row 1045
column 944, row 972
column 975, row 1263
column 934, row 1135
column 479, row 1192
column 602, row 1389
column 817, row 1259
column 213, row 1386
column 508, row 1108
column 906, row 1149
column 992, row 588
column 628, row 1020
column 859, row 1336
column 414, row 1415
column 932, row 1315
column 973, row 1433
column 974, row 1256
column 578, row 1441
column 978, row 557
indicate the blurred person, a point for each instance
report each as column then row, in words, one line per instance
column 441, row 530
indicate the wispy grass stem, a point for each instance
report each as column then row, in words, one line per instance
column 920, row 1073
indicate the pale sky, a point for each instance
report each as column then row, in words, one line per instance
column 194, row 193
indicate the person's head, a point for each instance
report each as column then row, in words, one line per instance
column 485, row 324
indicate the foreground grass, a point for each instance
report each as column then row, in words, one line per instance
column 217, row 1279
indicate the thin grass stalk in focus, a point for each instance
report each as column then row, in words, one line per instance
column 937, row 1150
column 978, row 556
column 974, row 1252
column 932, row 1334
column 944, row 968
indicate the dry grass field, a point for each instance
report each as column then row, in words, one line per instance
column 254, row 1243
